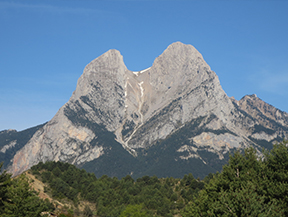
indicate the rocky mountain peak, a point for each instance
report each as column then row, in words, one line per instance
column 258, row 108
column 139, row 108
column 178, row 51
column 176, row 106
column 112, row 59
column 178, row 69
column 109, row 66
column 179, row 58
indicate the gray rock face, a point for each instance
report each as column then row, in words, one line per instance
column 177, row 97
column 269, row 123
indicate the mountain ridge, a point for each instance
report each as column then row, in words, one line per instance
column 176, row 106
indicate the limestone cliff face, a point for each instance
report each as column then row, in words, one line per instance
column 177, row 105
column 262, row 111
column 180, row 87
column 270, row 122
column 100, row 95
column 60, row 140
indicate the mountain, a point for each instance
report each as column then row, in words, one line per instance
column 11, row 141
column 167, row 120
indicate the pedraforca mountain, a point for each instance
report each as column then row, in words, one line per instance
column 167, row 120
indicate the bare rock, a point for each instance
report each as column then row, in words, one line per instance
column 177, row 104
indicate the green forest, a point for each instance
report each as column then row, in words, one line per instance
column 250, row 184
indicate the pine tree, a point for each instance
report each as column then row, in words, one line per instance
column 239, row 190
column 23, row 200
column 5, row 182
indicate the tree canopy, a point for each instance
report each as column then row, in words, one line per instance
column 114, row 197
column 17, row 199
column 249, row 185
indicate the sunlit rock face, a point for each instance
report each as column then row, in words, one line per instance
column 172, row 113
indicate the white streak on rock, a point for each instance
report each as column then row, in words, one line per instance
column 144, row 70
column 136, row 73
column 141, row 88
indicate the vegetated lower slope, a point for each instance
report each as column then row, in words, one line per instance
column 247, row 186
column 18, row 199
column 111, row 196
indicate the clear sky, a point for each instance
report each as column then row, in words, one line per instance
column 45, row 45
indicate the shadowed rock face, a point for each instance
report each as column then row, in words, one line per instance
column 177, row 95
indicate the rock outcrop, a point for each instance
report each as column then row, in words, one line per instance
column 171, row 114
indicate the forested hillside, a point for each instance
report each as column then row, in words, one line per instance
column 248, row 185
column 150, row 195
column 18, row 199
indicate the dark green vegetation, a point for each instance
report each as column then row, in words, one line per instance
column 247, row 186
column 17, row 199
column 147, row 196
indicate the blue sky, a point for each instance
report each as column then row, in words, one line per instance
column 45, row 45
